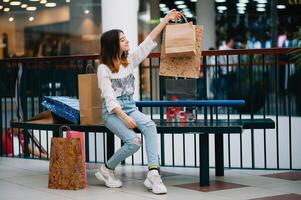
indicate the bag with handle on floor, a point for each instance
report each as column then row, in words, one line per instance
column 66, row 166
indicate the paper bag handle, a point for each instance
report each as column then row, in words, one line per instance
column 61, row 129
column 89, row 67
column 183, row 16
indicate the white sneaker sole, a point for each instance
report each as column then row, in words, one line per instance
column 149, row 186
column 100, row 177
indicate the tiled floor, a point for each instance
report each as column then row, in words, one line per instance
column 28, row 179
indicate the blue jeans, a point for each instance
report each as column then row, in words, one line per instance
column 128, row 136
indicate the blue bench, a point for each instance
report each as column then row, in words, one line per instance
column 203, row 127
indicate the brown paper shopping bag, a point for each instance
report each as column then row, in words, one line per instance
column 66, row 165
column 182, row 66
column 90, row 102
column 180, row 39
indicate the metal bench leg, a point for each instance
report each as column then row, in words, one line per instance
column 26, row 142
column 219, row 154
column 110, row 144
column 204, row 159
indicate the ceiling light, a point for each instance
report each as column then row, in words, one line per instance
column 1, row 7
column 262, row 1
column 281, row 6
column 6, row 9
column 185, row 10
column 220, row 1
column 67, row 1
column 15, row 3
column 86, row 11
column 43, row 1
column 164, row 9
column 193, row 0
column 179, row 2
column 31, row 8
column 260, row 5
column 11, row 19
column 181, row 6
column 188, row 14
column 260, row 9
column 24, row 5
column 244, row 1
column 5, row 0
column 31, row 19
column 50, row 4
column 241, row 5
column 221, row 8
column 162, row 5
column 34, row 0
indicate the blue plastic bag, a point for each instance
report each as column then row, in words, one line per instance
column 65, row 107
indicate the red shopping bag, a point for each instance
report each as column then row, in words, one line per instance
column 7, row 141
column 80, row 135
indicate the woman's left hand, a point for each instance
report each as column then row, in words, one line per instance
column 173, row 15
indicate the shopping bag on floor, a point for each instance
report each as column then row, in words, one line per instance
column 180, row 39
column 90, row 102
column 66, row 165
column 8, row 144
column 182, row 66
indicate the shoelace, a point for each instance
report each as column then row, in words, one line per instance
column 157, row 179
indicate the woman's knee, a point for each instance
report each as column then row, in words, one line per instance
column 135, row 144
column 150, row 123
column 150, row 128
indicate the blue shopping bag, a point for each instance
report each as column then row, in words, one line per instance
column 62, row 106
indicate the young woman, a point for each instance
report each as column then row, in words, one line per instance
column 120, row 114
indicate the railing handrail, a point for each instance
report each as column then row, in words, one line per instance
column 157, row 54
column 190, row 103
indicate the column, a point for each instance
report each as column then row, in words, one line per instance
column 121, row 14
column 205, row 12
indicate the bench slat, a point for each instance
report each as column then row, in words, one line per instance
column 200, row 126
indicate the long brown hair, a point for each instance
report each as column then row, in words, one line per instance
column 109, row 50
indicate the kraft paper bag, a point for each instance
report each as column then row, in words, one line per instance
column 90, row 101
column 180, row 39
column 66, row 165
column 182, row 66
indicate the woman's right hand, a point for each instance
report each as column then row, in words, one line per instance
column 173, row 15
column 130, row 122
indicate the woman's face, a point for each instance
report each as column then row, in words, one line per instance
column 123, row 43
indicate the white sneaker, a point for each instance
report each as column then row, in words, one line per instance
column 153, row 182
column 107, row 175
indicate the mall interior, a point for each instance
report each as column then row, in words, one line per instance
column 72, row 27
column 46, row 44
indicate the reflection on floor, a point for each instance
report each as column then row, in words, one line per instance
column 28, row 179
